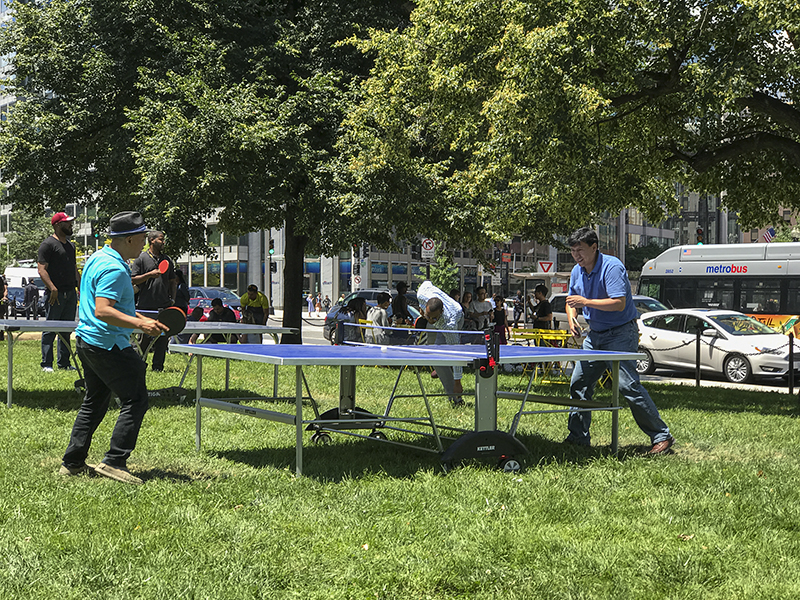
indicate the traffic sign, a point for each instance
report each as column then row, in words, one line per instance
column 506, row 257
column 428, row 246
column 357, row 280
column 545, row 266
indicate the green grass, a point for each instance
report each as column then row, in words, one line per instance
column 718, row 519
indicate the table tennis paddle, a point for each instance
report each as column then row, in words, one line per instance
column 174, row 318
column 163, row 266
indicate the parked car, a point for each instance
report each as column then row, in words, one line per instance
column 16, row 307
column 332, row 317
column 371, row 295
column 205, row 304
column 228, row 297
column 732, row 343
column 558, row 302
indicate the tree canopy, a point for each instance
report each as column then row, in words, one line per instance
column 185, row 109
column 532, row 118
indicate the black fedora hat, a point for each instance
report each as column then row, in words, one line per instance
column 126, row 223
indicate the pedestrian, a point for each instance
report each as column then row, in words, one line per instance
column 59, row 272
column 379, row 319
column 599, row 287
column 318, row 304
column 400, row 312
column 519, row 309
column 480, row 309
column 256, row 306
column 310, row 302
column 543, row 312
column 500, row 319
column 31, row 300
column 110, row 364
column 157, row 290
column 3, row 302
column 443, row 314
column 181, row 292
column 326, row 303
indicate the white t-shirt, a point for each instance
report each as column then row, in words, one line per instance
column 476, row 306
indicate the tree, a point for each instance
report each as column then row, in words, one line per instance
column 24, row 239
column 532, row 118
column 193, row 108
column 636, row 256
column 444, row 272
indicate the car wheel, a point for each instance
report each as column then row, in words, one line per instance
column 645, row 366
column 737, row 369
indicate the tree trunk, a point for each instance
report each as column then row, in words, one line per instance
column 293, row 253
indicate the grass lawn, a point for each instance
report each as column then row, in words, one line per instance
column 718, row 519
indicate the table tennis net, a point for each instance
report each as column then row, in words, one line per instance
column 366, row 333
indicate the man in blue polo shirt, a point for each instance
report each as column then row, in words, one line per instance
column 107, row 316
column 599, row 286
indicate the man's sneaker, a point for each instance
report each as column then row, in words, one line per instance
column 47, row 369
column 72, row 471
column 117, row 473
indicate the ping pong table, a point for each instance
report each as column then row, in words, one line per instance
column 484, row 441
column 15, row 327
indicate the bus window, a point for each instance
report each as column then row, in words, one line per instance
column 760, row 297
column 793, row 301
column 680, row 293
column 650, row 287
column 715, row 293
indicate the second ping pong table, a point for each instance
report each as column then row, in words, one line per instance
column 484, row 441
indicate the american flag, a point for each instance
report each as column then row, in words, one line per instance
column 769, row 234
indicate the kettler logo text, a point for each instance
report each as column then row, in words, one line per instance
column 727, row 269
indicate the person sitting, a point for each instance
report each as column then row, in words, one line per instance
column 379, row 318
column 191, row 338
column 355, row 311
column 221, row 314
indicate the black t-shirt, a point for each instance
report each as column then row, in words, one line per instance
column 153, row 293
column 60, row 261
column 542, row 310
column 227, row 316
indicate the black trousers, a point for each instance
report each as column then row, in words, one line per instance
column 105, row 371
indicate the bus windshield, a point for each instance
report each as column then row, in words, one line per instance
column 741, row 325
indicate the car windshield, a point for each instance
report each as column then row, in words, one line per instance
column 648, row 305
column 741, row 325
column 222, row 294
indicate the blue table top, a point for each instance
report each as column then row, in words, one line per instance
column 366, row 355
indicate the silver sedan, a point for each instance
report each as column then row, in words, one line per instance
column 731, row 343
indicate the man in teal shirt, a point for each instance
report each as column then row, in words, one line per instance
column 107, row 316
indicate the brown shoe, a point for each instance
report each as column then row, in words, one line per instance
column 662, row 447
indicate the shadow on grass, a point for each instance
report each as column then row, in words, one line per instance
column 359, row 458
column 170, row 475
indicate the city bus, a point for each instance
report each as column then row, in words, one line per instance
column 761, row 280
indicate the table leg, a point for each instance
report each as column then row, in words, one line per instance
column 298, row 418
column 615, row 403
column 9, row 388
column 197, row 408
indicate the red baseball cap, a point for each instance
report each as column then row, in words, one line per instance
column 59, row 217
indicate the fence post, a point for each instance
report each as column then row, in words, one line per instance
column 791, row 363
column 697, row 360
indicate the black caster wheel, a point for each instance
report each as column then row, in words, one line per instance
column 321, row 438
column 510, row 465
column 378, row 435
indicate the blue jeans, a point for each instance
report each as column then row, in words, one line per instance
column 447, row 375
column 63, row 310
column 105, row 371
column 624, row 338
